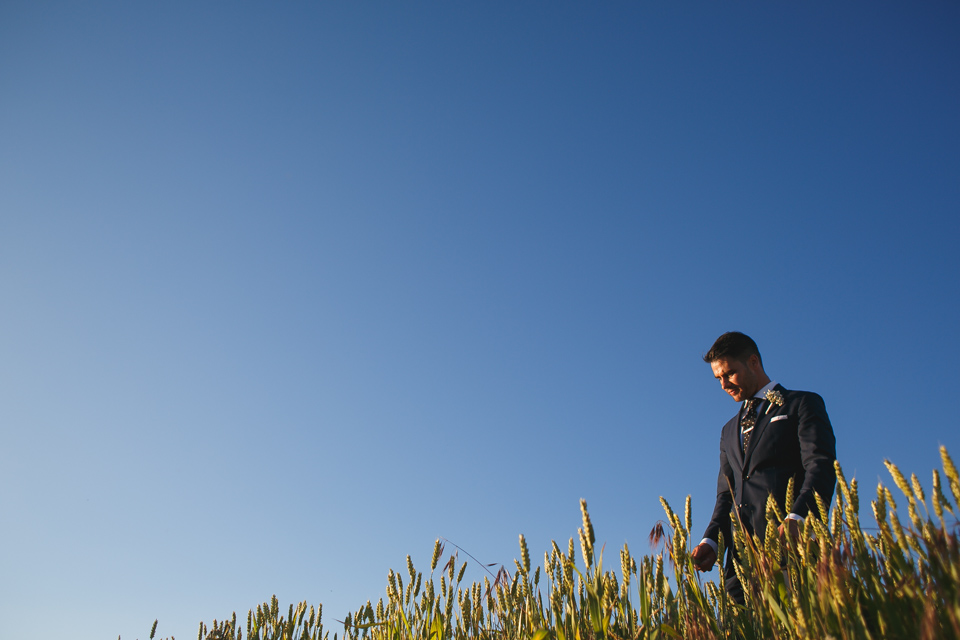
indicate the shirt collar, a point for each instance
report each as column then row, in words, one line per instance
column 763, row 392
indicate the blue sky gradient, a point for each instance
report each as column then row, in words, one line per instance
column 292, row 289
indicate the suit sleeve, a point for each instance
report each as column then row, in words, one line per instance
column 720, row 521
column 818, row 451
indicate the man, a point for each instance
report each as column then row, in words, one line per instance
column 777, row 435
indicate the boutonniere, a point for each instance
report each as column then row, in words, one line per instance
column 774, row 397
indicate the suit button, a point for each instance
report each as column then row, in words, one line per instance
column 746, row 477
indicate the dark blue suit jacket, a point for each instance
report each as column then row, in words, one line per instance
column 791, row 441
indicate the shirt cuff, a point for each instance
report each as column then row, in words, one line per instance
column 712, row 543
column 794, row 516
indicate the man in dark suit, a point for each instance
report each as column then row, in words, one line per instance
column 776, row 435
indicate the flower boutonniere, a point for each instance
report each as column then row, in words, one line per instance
column 774, row 397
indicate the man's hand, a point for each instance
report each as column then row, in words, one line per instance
column 790, row 527
column 703, row 557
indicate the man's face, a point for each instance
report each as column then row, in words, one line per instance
column 741, row 379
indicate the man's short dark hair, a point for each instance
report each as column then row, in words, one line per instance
column 733, row 345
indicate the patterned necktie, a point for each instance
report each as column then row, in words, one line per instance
column 748, row 420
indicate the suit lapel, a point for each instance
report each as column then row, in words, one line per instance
column 762, row 421
column 733, row 447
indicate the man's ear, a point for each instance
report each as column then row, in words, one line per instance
column 754, row 363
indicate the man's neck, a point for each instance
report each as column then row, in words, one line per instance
column 762, row 391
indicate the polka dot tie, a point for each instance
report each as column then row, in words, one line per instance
column 748, row 420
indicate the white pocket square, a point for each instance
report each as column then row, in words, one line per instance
column 775, row 418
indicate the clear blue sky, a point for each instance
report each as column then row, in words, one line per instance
column 291, row 289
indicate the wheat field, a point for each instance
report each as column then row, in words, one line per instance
column 837, row 580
